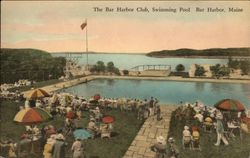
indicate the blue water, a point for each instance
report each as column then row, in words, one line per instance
column 127, row 61
column 165, row 91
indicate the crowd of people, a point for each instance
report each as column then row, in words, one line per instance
column 200, row 118
column 70, row 107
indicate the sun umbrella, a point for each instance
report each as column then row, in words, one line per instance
column 37, row 93
column 229, row 105
column 108, row 119
column 97, row 97
column 32, row 115
column 82, row 134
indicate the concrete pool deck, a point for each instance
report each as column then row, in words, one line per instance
column 146, row 137
column 70, row 83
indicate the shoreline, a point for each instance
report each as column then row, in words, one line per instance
column 202, row 57
column 178, row 79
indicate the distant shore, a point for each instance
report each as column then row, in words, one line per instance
column 173, row 78
column 203, row 57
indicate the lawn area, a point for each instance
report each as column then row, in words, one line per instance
column 235, row 149
column 126, row 126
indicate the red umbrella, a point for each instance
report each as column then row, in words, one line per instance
column 108, row 119
column 97, row 97
column 70, row 115
column 229, row 105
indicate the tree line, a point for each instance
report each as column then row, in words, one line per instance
column 30, row 64
column 101, row 67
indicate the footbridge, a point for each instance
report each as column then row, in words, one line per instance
column 151, row 70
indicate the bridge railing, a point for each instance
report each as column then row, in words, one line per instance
column 151, row 67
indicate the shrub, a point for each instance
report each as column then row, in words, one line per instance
column 180, row 68
column 125, row 72
column 199, row 71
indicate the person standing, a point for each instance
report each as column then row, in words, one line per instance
column 77, row 149
column 220, row 129
column 59, row 147
column 158, row 113
column 12, row 149
column 47, row 152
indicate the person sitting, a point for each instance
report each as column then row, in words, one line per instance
column 92, row 127
column 36, row 132
column 38, row 103
column 160, row 147
column 199, row 117
column 196, row 139
column 105, row 131
column 187, row 137
column 208, row 124
column 173, row 152
column 97, row 114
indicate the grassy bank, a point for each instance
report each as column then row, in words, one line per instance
column 126, row 126
column 236, row 147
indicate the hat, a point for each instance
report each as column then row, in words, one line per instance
column 186, row 127
column 50, row 141
column 171, row 140
column 97, row 108
column 60, row 137
column 160, row 139
column 53, row 136
column 92, row 119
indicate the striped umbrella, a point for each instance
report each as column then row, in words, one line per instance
column 32, row 116
column 37, row 93
column 229, row 105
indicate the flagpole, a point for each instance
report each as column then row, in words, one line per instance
column 87, row 45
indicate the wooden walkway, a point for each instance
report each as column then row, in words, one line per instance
column 146, row 137
column 65, row 84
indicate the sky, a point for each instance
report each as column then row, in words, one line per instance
column 55, row 26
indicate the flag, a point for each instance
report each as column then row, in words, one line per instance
column 83, row 25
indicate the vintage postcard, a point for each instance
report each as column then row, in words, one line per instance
column 125, row 79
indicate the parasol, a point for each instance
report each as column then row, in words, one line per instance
column 108, row 119
column 97, row 97
column 32, row 115
column 82, row 134
column 230, row 105
column 37, row 93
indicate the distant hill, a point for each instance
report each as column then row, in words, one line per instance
column 24, row 53
column 244, row 52
column 29, row 64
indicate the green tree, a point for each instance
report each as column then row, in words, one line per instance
column 245, row 67
column 233, row 63
column 215, row 70
column 199, row 71
column 100, row 67
column 224, row 71
column 180, row 68
column 110, row 66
